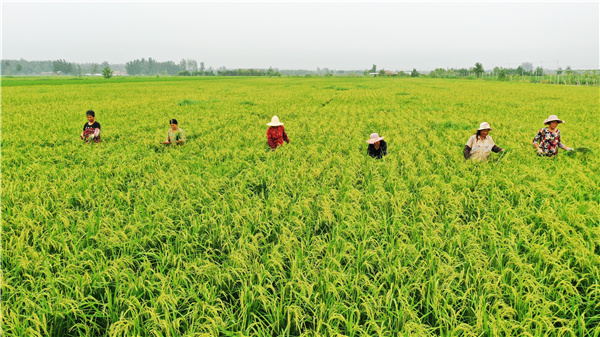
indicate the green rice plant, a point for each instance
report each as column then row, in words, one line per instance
column 221, row 237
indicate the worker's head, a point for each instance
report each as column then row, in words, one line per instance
column 484, row 130
column 552, row 121
column 91, row 115
column 173, row 123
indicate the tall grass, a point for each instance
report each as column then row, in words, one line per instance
column 222, row 237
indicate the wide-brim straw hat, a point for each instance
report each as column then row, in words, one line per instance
column 552, row 118
column 275, row 121
column 484, row 126
column 374, row 138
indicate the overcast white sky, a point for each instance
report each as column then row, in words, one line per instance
column 307, row 35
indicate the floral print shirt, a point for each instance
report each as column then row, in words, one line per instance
column 174, row 136
column 548, row 141
column 91, row 132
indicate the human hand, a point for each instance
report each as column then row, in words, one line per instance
column 540, row 151
column 569, row 148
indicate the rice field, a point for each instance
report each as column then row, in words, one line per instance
column 223, row 237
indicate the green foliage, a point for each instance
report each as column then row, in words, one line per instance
column 107, row 73
column 414, row 73
column 63, row 67
column 224, row 238
column 478, row 69
column 539, row 71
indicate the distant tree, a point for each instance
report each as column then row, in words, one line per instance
column 463, row 72
column 79, row 71
column 105, row 65
column 94, row 68
column 183, row 65
column 520, row 70
column 401, row 73
column 19, row 67
column 440, row 72
column 6, row 68
column 202, row 67
column 559, row 71
column 527, row 66
column 373, row 69
column 478, row 69
column 192, row 65
column 568, row 71
column 106, row 72
column 382, row 72
column 502, row 74
column 62, row 66
column 414, row 73
column 539, row 71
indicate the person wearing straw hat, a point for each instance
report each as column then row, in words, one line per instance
column 175, row 134
column 547, row 140
column 276, row 133
column 377, row 146
column 480, row 144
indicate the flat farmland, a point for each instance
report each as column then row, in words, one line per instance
column 223, row 237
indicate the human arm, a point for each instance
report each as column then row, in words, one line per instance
column 561, row 145
column 564, row 147
column 181, row 137
column 497, row 148
column 468, row 147
column 536, row 141
column 467, row 152
column 285, row 137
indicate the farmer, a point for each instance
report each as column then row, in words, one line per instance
column 377, row 146
column 175, row 134
column 547, row 140
column 276, row 133
column 480, row 144
column 91, row 129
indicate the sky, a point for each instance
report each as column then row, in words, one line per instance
column 306, row 35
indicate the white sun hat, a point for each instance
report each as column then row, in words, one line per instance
column 552, row 118
column 484, row 126
column 275, row 121
column 374, row 138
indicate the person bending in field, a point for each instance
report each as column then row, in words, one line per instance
column 480, row 144
column 276, row 133
column 547, row 141
column 377, row 147
column 175, row 134
column 91, row 129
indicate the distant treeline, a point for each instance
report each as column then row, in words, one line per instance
column 24, row 67
column 189, row 67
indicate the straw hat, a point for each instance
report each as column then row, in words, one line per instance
column 484, row 126
column 552, row 118
column 275, row 121
column 374, row 138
